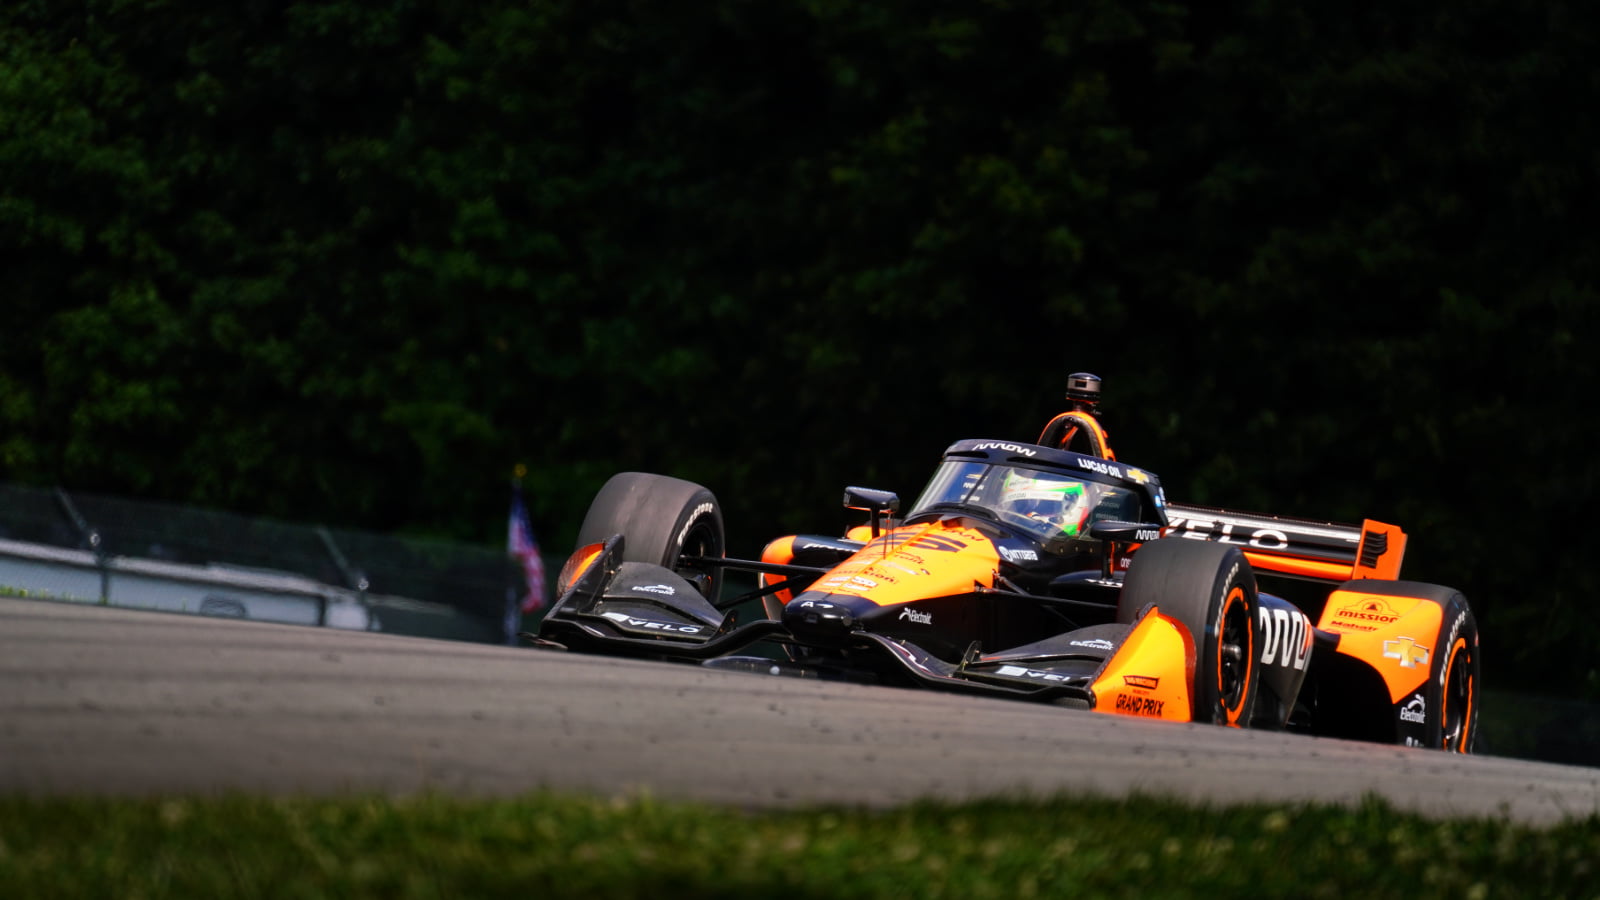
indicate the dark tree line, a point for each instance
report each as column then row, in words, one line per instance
column 349, row 261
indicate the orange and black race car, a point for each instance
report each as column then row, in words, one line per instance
column 1047, row 571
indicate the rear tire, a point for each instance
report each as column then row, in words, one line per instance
column 1450, row 696
column 1211, row 589
column 661, row 520
column 1458, row 683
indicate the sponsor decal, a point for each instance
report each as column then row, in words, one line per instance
column 1410, row 653
column 1034, row 674
column 1139, row 475
column 1138, row 705
column 1142, row 682
column 1285, row 638
column 887, row 541
column 694, row 517
column 1204, row 529
column 915, row 616
column 1101, row 466
column 632, row 622
column 1412, row 742
column 1096, row 644
column 844, row 583
column 1374, row 610
column 1147, row 534
column 1009, row 448
column 1415, row 710
column 935, row 542
column 813, row 545
column 1010, row 555
column 1450, row 643
column 663, row 589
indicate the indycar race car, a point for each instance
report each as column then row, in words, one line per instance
column 1043, row 571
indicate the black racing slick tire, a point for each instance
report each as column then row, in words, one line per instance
column 1457, row 680
column 1211, row 589
column 662, row 520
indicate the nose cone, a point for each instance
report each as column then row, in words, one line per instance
column 821, row 621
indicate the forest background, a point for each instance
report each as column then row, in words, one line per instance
column 349, row 261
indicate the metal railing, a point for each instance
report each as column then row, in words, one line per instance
column 92, row 548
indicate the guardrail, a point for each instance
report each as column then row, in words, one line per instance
column 35, row 570
column 97, row 549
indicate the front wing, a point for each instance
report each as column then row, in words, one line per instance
column 642, row 610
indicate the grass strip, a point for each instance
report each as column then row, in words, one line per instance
column 545, row 846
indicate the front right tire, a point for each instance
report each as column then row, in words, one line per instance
column 1448, row 701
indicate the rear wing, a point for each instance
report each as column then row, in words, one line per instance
column 1300, row 548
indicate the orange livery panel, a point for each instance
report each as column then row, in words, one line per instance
column 938, row 559
column 1392, row 634
column 1152, row 673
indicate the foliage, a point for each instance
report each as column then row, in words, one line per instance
column 350, row 261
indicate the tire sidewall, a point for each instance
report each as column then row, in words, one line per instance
column 1458, row 646
column 1234, row 594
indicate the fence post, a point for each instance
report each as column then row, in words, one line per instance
column 90, row 536
column 354, row 579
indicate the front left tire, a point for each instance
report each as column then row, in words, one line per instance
column 662, row 520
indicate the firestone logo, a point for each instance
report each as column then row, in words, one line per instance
column 701, row 510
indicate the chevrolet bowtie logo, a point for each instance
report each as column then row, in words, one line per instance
column 1409, row 652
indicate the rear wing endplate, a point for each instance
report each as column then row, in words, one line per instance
column 1300, row 548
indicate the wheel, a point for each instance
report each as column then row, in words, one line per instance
column 1456, row 681
column 661, row 520
column 1211, row 589
column 1448, row 701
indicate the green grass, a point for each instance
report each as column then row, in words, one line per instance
column 549, row 846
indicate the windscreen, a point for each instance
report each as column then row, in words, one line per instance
column 1048, row 505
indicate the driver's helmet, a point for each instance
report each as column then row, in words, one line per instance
column 1056, row 500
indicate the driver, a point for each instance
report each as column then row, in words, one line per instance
column 1059, row 502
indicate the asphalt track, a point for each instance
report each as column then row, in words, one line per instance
column 122, row 702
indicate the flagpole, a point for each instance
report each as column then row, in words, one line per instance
column 512, row 618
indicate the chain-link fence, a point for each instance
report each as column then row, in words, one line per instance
column 93, row 548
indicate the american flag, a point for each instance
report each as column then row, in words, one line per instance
column 524, row 547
